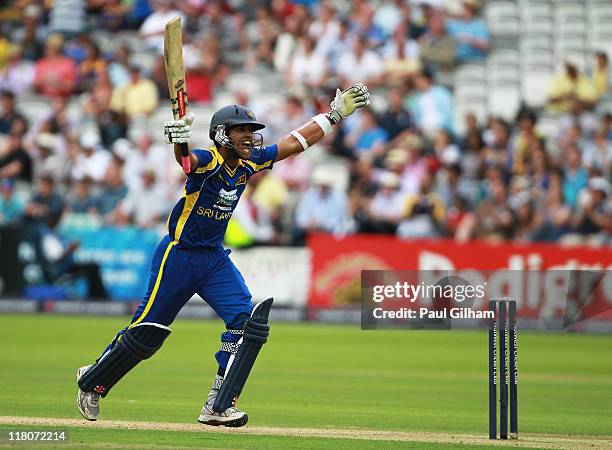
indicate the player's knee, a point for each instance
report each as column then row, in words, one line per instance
column 143, row 341
column 238, row 320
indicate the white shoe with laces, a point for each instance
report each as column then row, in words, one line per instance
column 87, row 402
column 231, row 417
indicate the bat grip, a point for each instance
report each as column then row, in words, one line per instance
column 185, row 159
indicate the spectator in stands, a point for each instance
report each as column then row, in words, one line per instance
column 91, row 161
column 556, row 214
column 494, row 219
column 32, row 34
column 138, row 98
column 11, row 204
column 568, row 84
column 363, row 24
column 458, row 220
column 597, row 156
column 400, row 57
column 142, row 206
column 281, row 9
column 293, row 114
column 152, row 29
column 470, row 32
column 200, row 77
column 526, row 134
column 15, row 162
column 113, row 16
column 17, row 76
column 98, row 97
column 389, row 15
column 577, row 115
column 472, row 155
column 270, row 193
column 92, row 67
column 286, row 43
column 263, row 33
column 601, row 73
column 575, row 177
column 438, row 48
column 445, row 150
column 231, row 28
column 396, row 117
column 295, row 173
column 593, row 221
column 46, row 204
column 538, row 165
column 343, row 45
column 81, row 199
column 8, row 112
column 324, row 29
column 118, row 68
column 308, row 69
column 451, row 187
column 322, row 207
column 527, row 218
column 499, row 149
column 424, row 212
column 145, row 156
column 51, row 157
column 360, row 65
column 368, row 138
column 432, row 106
column 57, row 120
column 386, row 208
column 55, row 75
column 396, row 161
column 112, row 192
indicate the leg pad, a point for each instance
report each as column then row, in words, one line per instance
column 256, row 333
column 136, row 344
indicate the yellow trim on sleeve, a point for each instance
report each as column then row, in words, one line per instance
column 258, row 167
column 217, row 159
column 210, row 166
column 156, row 286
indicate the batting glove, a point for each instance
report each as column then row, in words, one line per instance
column 346, row 102
column 178, row 131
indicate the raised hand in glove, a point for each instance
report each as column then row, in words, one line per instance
column 346, row 102
column 178, row 131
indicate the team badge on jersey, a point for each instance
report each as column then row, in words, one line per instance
column 226, row 199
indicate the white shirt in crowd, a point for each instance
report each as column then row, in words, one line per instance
column 308, row 69
column 388, row 205
column 359, row 70
column 411, row 50
column 93, row 166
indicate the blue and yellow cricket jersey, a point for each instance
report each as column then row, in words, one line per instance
column 212, row 190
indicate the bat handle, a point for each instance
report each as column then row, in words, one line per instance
column 185, row 160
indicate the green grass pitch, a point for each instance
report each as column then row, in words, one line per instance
column 308, row 376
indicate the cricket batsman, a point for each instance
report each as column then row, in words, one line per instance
column 191, row 258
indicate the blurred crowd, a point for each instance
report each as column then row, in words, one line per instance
column 398, row 168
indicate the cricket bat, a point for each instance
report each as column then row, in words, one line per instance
column 175, row 73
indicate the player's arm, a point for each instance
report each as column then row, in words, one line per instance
column 344, row 104
column 178, row 155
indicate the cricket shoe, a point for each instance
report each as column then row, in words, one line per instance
column 87, row 402
column 231, row 417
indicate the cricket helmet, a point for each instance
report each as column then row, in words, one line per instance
column 232, row 115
